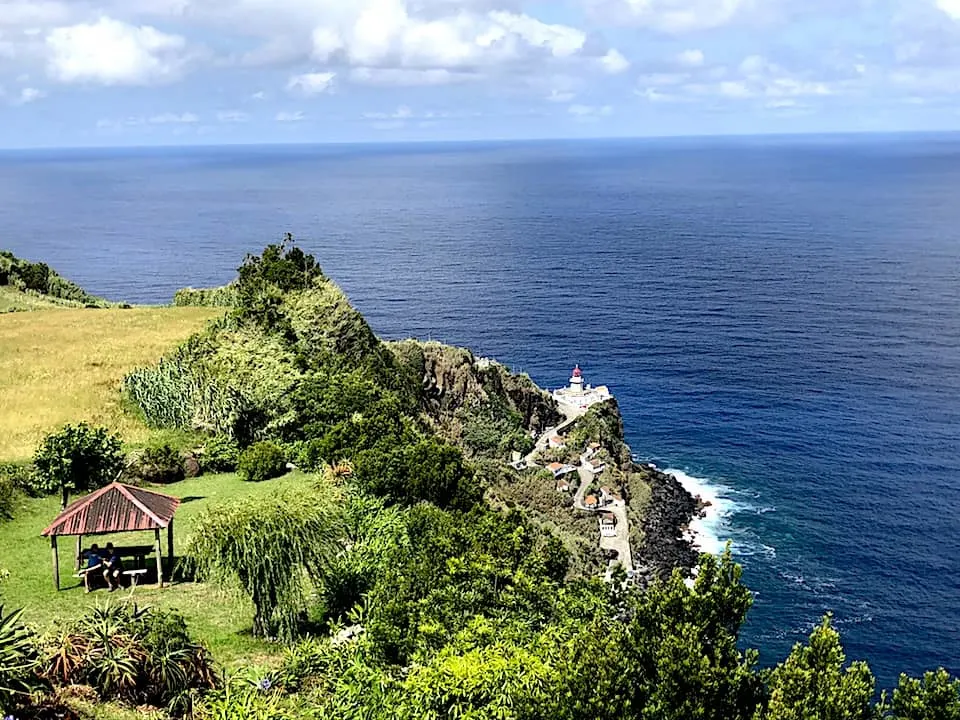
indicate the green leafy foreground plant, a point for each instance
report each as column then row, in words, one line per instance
column 18, row 661
column 270, row 547
column 134, row 655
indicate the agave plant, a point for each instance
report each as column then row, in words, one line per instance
column 132, row 654
column 19, row 659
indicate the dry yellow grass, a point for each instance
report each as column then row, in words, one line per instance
column 60, row 366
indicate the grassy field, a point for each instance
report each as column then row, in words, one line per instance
column 221, row 620
column 66, row 365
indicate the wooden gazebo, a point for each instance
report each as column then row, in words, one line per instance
column 116, row 508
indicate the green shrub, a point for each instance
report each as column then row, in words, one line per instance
column 24, row 477
column 225, row 296
column 249, row 694
column 262, row 461
column 160, row 464
column 220, row 454
column 8, row 495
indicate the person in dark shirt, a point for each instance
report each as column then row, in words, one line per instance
column 112, row 568
column 94, row 558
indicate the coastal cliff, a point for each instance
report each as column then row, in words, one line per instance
column 297, row 364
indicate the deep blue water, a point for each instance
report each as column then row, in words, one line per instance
column 779, row 318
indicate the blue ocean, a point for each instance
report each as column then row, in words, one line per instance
column 778, row 317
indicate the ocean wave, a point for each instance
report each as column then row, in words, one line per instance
column 711, row 532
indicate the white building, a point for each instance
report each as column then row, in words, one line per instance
column 594, row 466
column 559, row 470
column 557, row 442
column 608, row 524
column 580, row 396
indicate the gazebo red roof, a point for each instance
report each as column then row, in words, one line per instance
column 115, row 508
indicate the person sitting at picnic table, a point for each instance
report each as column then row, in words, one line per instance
column 113, row 567
column 94, row 559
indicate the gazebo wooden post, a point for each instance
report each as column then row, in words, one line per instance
column 156, row 548
column 170, row 547
column 79, row 550
column 56, row 562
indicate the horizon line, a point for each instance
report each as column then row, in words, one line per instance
column 487, row 141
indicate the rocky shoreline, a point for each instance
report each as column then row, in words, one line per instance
column 666, row 543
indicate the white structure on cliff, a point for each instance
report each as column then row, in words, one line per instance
column 580, row 396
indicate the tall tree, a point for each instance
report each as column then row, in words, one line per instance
column 78, row 458
column 935, row 697
column 812, row 683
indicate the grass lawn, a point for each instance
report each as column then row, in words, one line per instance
column 221, row 620
column 66, row 365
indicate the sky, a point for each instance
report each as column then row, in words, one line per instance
column 176, row 72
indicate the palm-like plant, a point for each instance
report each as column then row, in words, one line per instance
column 18, row 659
column 132, row 654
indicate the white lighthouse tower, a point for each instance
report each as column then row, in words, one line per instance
column 576, row 381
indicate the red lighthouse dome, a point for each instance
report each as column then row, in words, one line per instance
column 577, row 372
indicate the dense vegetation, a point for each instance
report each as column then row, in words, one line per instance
column 39, row 279
column 416, row 575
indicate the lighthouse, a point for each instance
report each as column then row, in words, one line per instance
column 576, row 380
column 577, row 396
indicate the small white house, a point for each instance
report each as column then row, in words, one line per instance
column 557, row 442
column 559, row 469
column 562, row 486
column 595, row 466
column 608, row 524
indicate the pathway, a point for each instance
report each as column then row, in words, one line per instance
column 620, row 543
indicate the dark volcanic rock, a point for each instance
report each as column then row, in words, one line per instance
column 668, row 514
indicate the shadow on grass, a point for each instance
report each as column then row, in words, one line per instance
column 191, row 498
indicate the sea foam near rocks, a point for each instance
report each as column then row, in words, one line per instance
column 710, row 532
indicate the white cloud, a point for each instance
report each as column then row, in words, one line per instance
column 950, row 7
column 232, row 116
column 614, row 62
column 260, row 95
column 403, row 77
column 395, row 34
column 590, row 111
column 560, row 96
column 286, row 117
column 111, row 52
column 173, row 119
column 755, row 78
column 785, row 104
column 311, row 83
column 691, row 58
column 401, row 113
column 29, row 95
column 735, row 89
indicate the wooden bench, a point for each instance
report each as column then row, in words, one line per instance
column 138, row 552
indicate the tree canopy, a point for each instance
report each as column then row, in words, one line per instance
column 78, row 458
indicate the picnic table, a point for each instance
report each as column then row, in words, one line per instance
column 138, row 552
